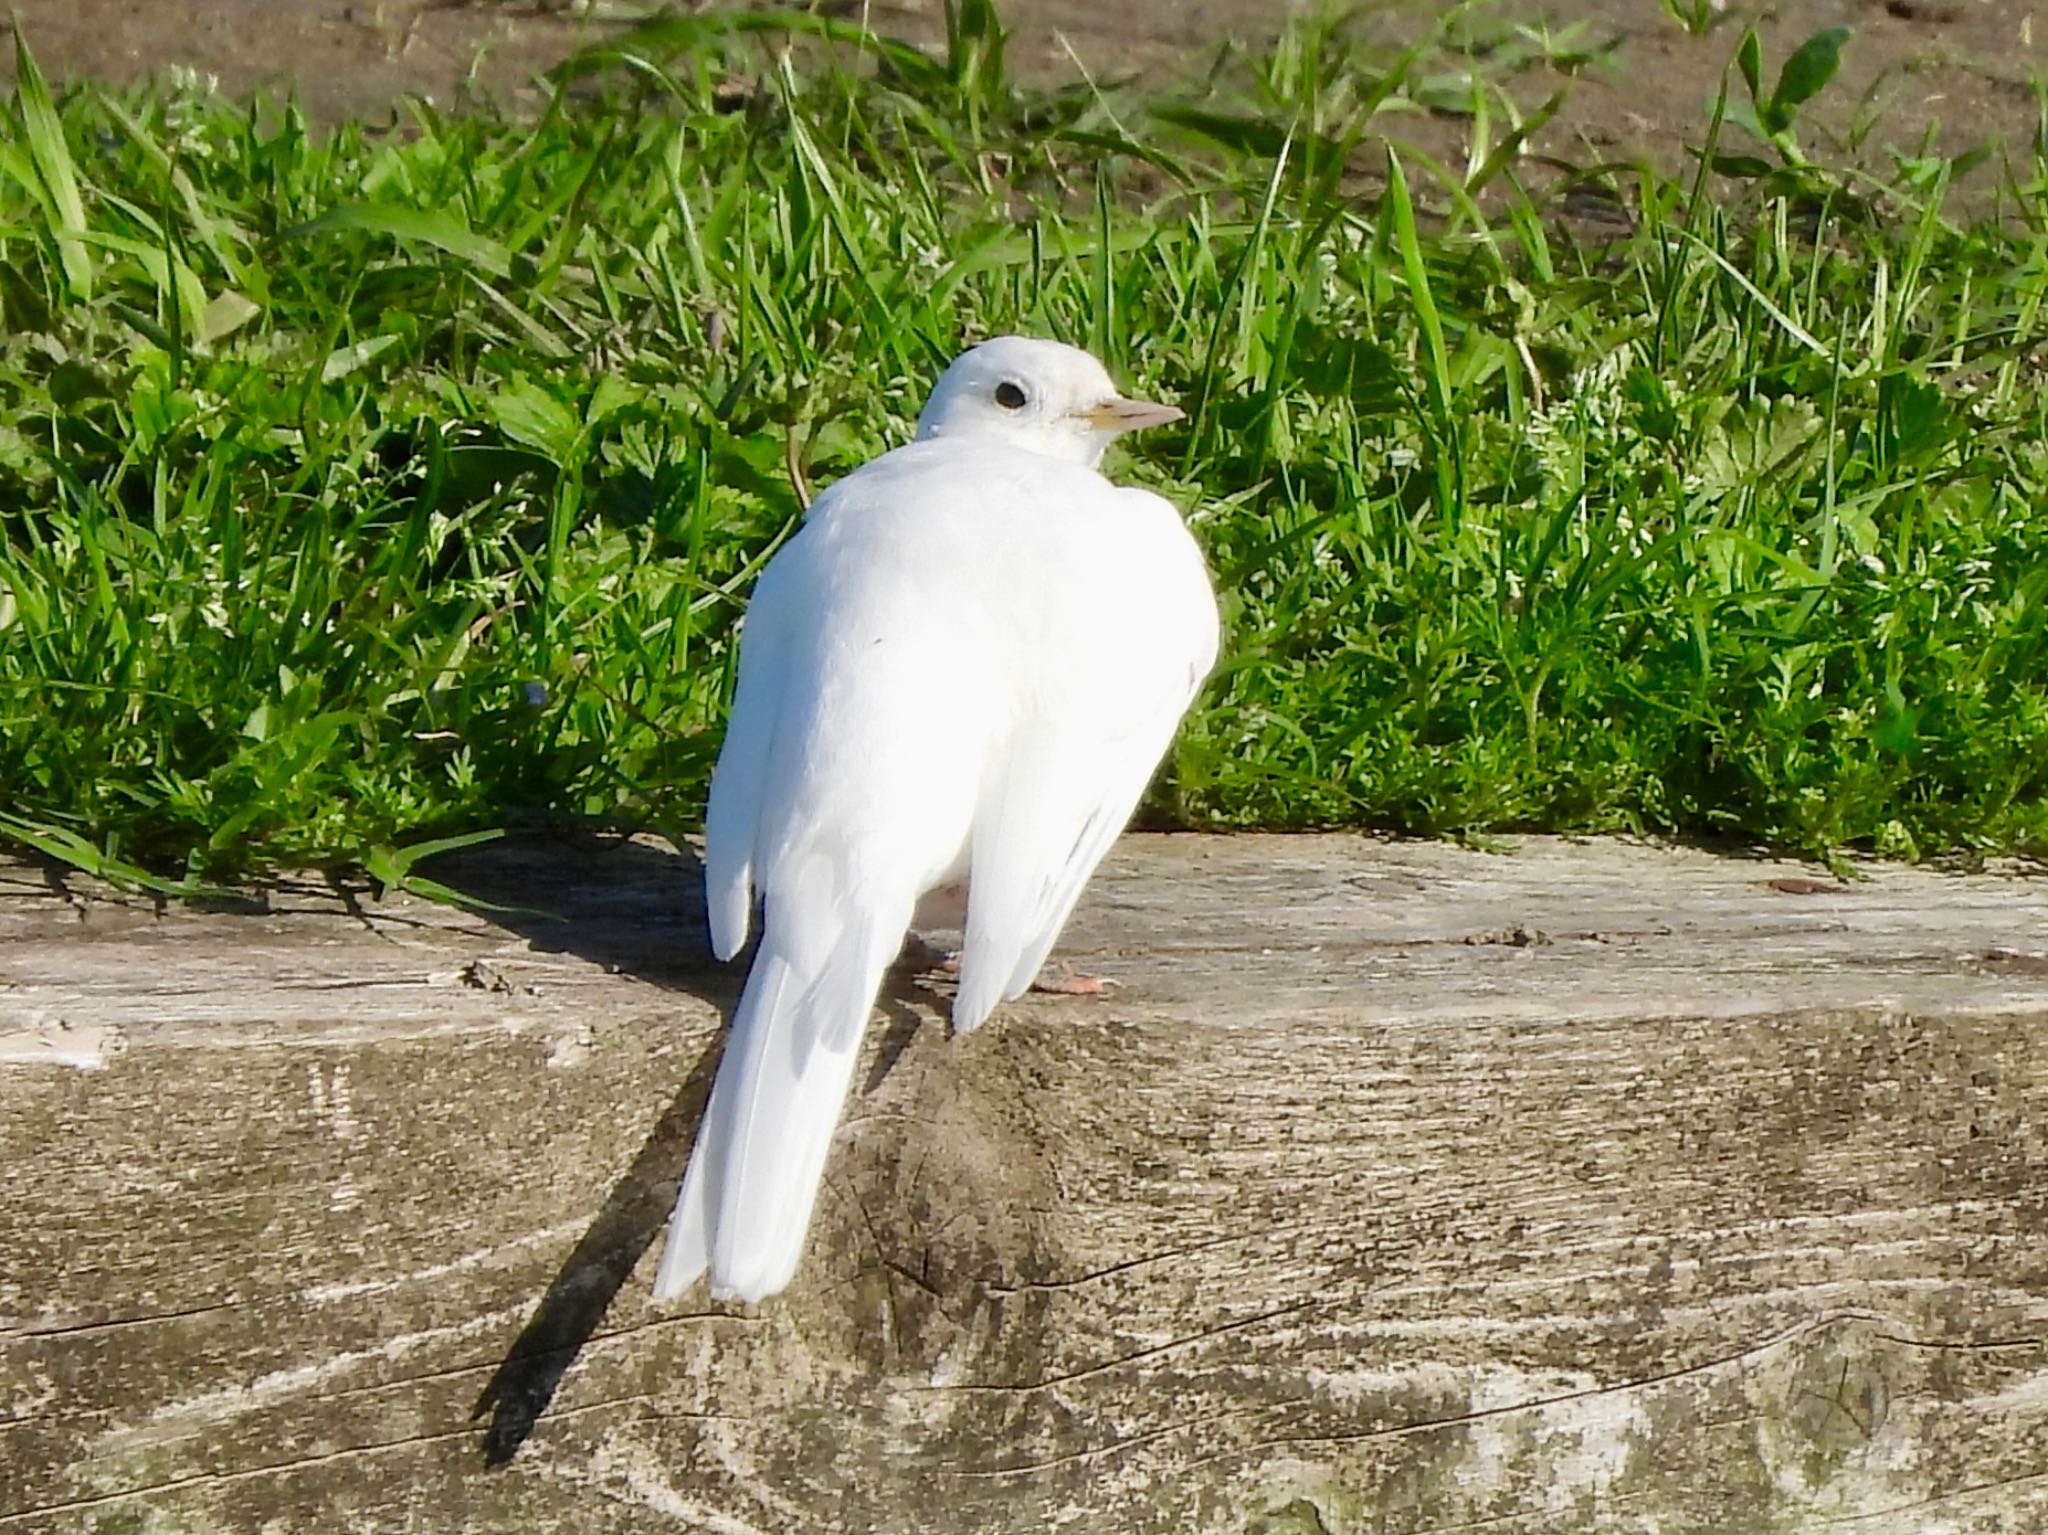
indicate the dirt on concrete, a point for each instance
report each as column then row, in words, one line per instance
column 1964, row 68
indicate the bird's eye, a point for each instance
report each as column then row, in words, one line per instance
column 1010, row 395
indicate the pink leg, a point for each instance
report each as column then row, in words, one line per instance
column 919, row 957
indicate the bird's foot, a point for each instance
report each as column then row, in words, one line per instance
column 921, row 958
column 1070, row 983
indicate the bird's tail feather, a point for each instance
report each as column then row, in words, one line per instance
column 754, row 1176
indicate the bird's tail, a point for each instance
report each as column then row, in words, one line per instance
column 746, row 1200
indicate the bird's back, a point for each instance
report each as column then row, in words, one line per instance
column 911, row 630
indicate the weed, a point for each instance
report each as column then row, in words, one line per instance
column 371, row 488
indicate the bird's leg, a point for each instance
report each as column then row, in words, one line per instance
column 945, row 907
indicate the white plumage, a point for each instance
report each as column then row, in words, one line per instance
column 965, row 666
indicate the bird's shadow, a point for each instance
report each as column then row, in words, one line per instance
column 638, row 910
column 591, row 1276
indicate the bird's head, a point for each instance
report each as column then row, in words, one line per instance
column 1042, row 395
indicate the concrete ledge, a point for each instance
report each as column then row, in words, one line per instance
column 1582, row 1187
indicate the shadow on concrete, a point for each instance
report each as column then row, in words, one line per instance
column 636, row 908
column 575, row 1303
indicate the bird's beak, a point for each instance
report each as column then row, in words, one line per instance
column 1121, row 415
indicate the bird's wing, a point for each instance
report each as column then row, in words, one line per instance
column 1078, row 762
column 732, row 816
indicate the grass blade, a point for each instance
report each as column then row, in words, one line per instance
column 51, row 157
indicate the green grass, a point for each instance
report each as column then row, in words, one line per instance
column 364, row 488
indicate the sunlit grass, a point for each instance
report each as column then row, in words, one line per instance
column 368, row 487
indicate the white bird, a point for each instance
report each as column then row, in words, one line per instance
column 965, row 666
